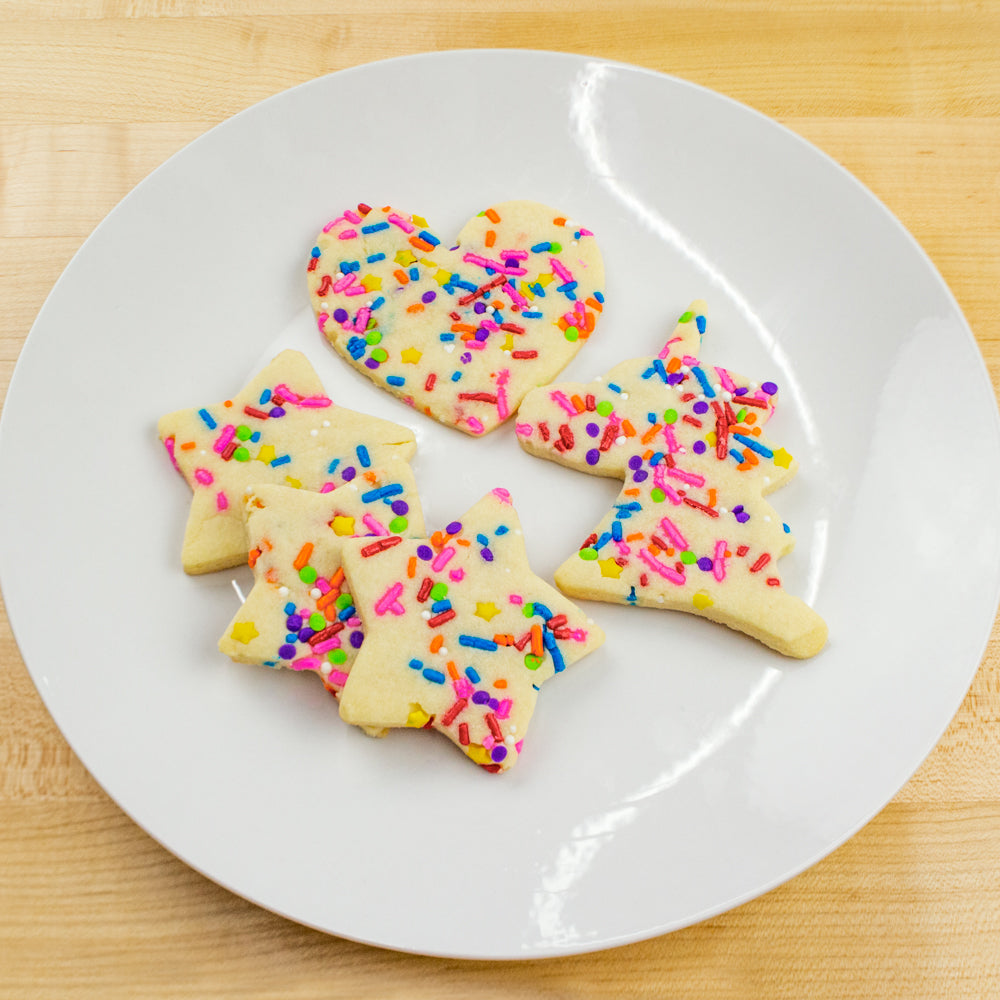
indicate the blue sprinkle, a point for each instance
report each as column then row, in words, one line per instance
column 541, row 247
column 532, row 315
column 476, row 643
column 425, row 236
column 446, row 337
column 599, row 296
column 603, row 540
column 456, row 376
column 380, row 301
column 754, row 445
column 280, row 460
column 348, row 612
column 396, row 380
column 363, row 457
column 661, row 371
column 614, row 388
column 467, row 285
column 706, row 386
column 350, row 265
column 291, row 638
column 656, row 458
column 438, row 606
column 788, row 530
column 289, row 608
column 651, row 417
column 616, row 531
column 381, row 493
column 332, row 467
column 482, row 539
column 376, row 257
column 631, row 596
column 316, row 252
column 356, row 347
column 472, row 674
column 538, row 290
column 208, row 418
column 416, row 664
column 434, row 676
column 699, row 321
column 255, row 437
column 542, row 610
column 374, row 227
column 414, row 273
column 558, row 663
column 265, row 397
column 502, row 530
column 733, row 453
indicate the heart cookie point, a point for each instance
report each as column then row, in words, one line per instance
column 460, row 331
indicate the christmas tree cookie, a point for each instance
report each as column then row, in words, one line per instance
column 460, row 333
column 280, row 428
column 300, row 613
column 691, row 530
column 459, row 633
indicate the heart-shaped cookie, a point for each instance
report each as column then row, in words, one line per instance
column 461, row 334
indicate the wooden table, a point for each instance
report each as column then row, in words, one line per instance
column 95, row 93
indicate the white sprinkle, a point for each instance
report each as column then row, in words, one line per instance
column 425, row 615
column 326, row 423
column 624, row 395
column 313, row 432
column 620, row 439
column 315, row 593
column 283, row 591
column 325, row 668
column 767, row 517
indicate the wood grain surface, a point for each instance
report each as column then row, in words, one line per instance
column 94, row 95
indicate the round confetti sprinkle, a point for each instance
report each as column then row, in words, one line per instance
column 400, row 507
column 349, row 473
column 593, row 456
column 398, row 525
column 357, row 638
column 593, row 430
column 425, row 552
column 699, row 447
column 704, row 564
column 605, row 408
column 769, row 387
column 454, row 528
column 340, row 315
column 287, row 651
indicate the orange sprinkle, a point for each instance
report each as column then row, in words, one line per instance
column 755, row 431
column 436, row 643
column 401, row 276
column 463, row 541
column 504, row 640
column 594, row 304
column 417, row 307
column 272, row 575
column 647, row 454
column 437, row 539
column 266, row 544
column 750, row 418
column 302, row 559
column 654, row 549
column 420, row 244
column 326, row 600
column 673, row 365
column 628, row 428
column 411, row 567
column 337, row 579
column 188, row 445
column 631, row 492
column 492, row 215
column 452, row 671
column 491, row 237
column 253, row 556
column 500, row 683
column 330, row 611
column 462, row 328
column 635, row 536
column 536, row 640
column 589, row 322
column 651, row 433
column 578, row 403
column 228, row 402
column 561, row 221
column 562, row 324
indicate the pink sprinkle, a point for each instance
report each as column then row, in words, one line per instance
column 666, row 349
column 475, row 424
column 352, row 216
column 724, row 379
column 660, row 479
column 719, row 563
column 501, row 494
column 327, row 488
column 356, row 290
column 475, row 345
column 398, row 220
column 570, row 318
column 375, row 526
column 494, row 265
column 515, row 296
column 488, row 742
column 221, row 501
column 503, row 410
column 348, row 234
column 563, row 400
column 463, row 688
column 224, row 438
column 502, row 711
column 324, row 647
column 662, row 568
column 389, row 601
column 668, row 435
column 673, row 533
column 691, row 478
column 514, row 254
column 444, row 557
column 337, row 677
column 559, row 270
column 321, row 321
column 488, row 324
column 331, row 224
column 341, row 283
column 457, row 574
column 322, row 586
column 169, row 445
column 518, row 745
column 689, row 361
column 313, row 402
column 362, row 319
column 204, row 477
column 586, row 232
column 305, row 663
column 516, row 599
column 524, row 430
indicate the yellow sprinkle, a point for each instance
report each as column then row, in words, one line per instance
column 372, row 283
column 710, row 439
column 244, row 632
column 782, row 458
column 442, row 277
column 417, row 718
column 508, row 343
column 478, row 753
column 418, row 221
column 487, row 610
column 701, row 600
column 427, row 262
column 609, row 568
column 343, row 525
column 266, row 454
column 410, row 356
column 405, row 257
column 545, row 279
column 292, row 481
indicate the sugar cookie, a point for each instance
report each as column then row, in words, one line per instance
column 690, row 530
column 459, row 633
column 281, row 428
column 461, row 334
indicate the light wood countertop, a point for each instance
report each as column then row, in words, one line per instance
column 96, row 93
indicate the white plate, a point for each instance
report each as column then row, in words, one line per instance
column 680, row 770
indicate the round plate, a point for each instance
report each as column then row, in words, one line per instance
column 681, row 769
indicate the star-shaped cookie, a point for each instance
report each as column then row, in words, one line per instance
column 280, row 428
column 459, row 633
column 300, row 613
column 690, row 530
column 461, row 333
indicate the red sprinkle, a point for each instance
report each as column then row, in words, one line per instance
column 566, row 436
column 425, row 589
column 445, row 616
column 463, row 733
column 325, row 284
column 761, row 562
column 479, row 397
column 608, row 437
column 327, row 633
column 494, row 723
column 701, row 507
column 449, row 717
column 429, row 384
column 252, row 411
column 523, row 355
column 381, row 545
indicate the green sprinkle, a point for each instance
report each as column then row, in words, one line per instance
column 555, row 248
column 380, row 355
column 528, row 610
column 572, row 334
column 398, row 525
column 605, row 408
column 243, row 432
column 741, row 416
column 344, row 601
column 670, row 417
column 532, row 662
column 686, row 318
column 337, row 656
column 241, row 455
column 688, row 557
column 658, row 495
column 588, row 554
column 439, row 591
column 373, row 337
column 308, row 574
column 317, row 622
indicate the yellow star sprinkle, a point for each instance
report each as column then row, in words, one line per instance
column 405, row 257
column 486, row 610
column 343, row 525
column 267, row 454
column 410, row 356
column 782, row 458
column 609, row 568
column 372, row 283
column 442, row 277
column 244, row 632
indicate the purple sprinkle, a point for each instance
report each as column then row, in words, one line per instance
column 400, row 507
column 493, row 703
column 340, row 315
column 348, row 474
column 498, row 753
column 593, row 456
column 593, row 430
column 743, row 517
column 277, row 411
column 640, row 476
column 487, row 555
column 701, row 406
column 674, row 378
column 306, row 634
column 425, row 552
column 465, row 358
column 738, row 509
column 428, row 297
column 371, row 363
column 480, row 698
column 293, row 623
column 287, row 652
column 769, row 387
column 454, row 528
column 357, row 638
column 635, row 462
column 480, row 308
column 699, row 447
column 704, row 564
